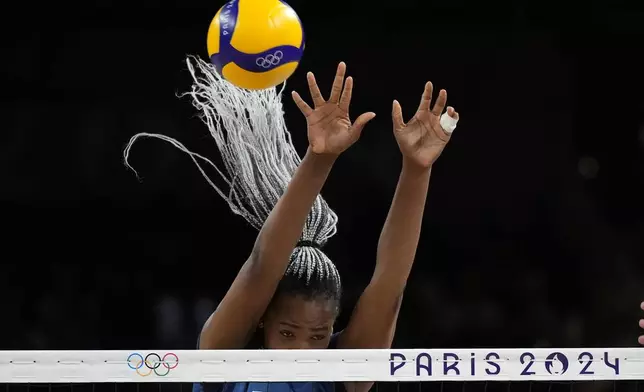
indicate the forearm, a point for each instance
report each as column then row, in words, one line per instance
column 284, row 224
column 373, row 322
column 401, row 232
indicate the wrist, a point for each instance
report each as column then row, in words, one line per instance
column 412, row 167
column 320, row 160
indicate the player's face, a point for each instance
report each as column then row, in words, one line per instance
column 293, row 322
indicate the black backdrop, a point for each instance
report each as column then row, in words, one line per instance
column 534, row 226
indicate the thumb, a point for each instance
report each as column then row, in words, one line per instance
column 397, row 116
column 361, row 121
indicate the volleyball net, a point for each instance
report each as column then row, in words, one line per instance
column 609, row 369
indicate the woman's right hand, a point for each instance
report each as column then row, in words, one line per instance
column 330, row 129
column 640, row 340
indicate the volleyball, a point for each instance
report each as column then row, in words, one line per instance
column 255, row 44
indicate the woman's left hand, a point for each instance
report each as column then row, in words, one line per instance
column 422, row 139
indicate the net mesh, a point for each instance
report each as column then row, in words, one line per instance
column 617, row 369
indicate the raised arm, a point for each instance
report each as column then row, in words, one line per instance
column 421, row 141
column 330, row 132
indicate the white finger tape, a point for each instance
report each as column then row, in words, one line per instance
column 448, row 123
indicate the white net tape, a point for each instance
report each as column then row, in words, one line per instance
column 163, row 366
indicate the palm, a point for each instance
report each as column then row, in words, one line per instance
column 423, row 139
column 330, row 130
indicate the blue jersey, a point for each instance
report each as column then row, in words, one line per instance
column 272, row 386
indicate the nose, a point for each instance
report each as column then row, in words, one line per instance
column 304, row 344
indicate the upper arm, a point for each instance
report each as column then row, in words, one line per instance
column 237, row 316
column 235, row 319
column 372, row 325
column 373, row 320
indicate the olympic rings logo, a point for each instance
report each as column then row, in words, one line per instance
column 270, row 60
column 152, row 363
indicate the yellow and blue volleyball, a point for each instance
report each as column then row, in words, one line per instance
column 255, row 44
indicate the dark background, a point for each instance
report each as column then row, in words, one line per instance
column 534, row 225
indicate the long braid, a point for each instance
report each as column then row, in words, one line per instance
column 259, row 160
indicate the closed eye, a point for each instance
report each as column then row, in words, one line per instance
column 318, row 337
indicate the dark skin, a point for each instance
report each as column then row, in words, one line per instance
column 297, row 322
column 421, row 142
column 293, row 322
column 330, row 132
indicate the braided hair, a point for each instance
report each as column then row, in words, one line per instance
column 259, row 160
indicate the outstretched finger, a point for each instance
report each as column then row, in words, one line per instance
column 303, row 106
column 439, row 105
column 360, row 122
column 316, row 95
column 397, row 116
column 345, row 99
column 336, row 90
column 426, row 99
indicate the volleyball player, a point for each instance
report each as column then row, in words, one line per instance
column 287, row 293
